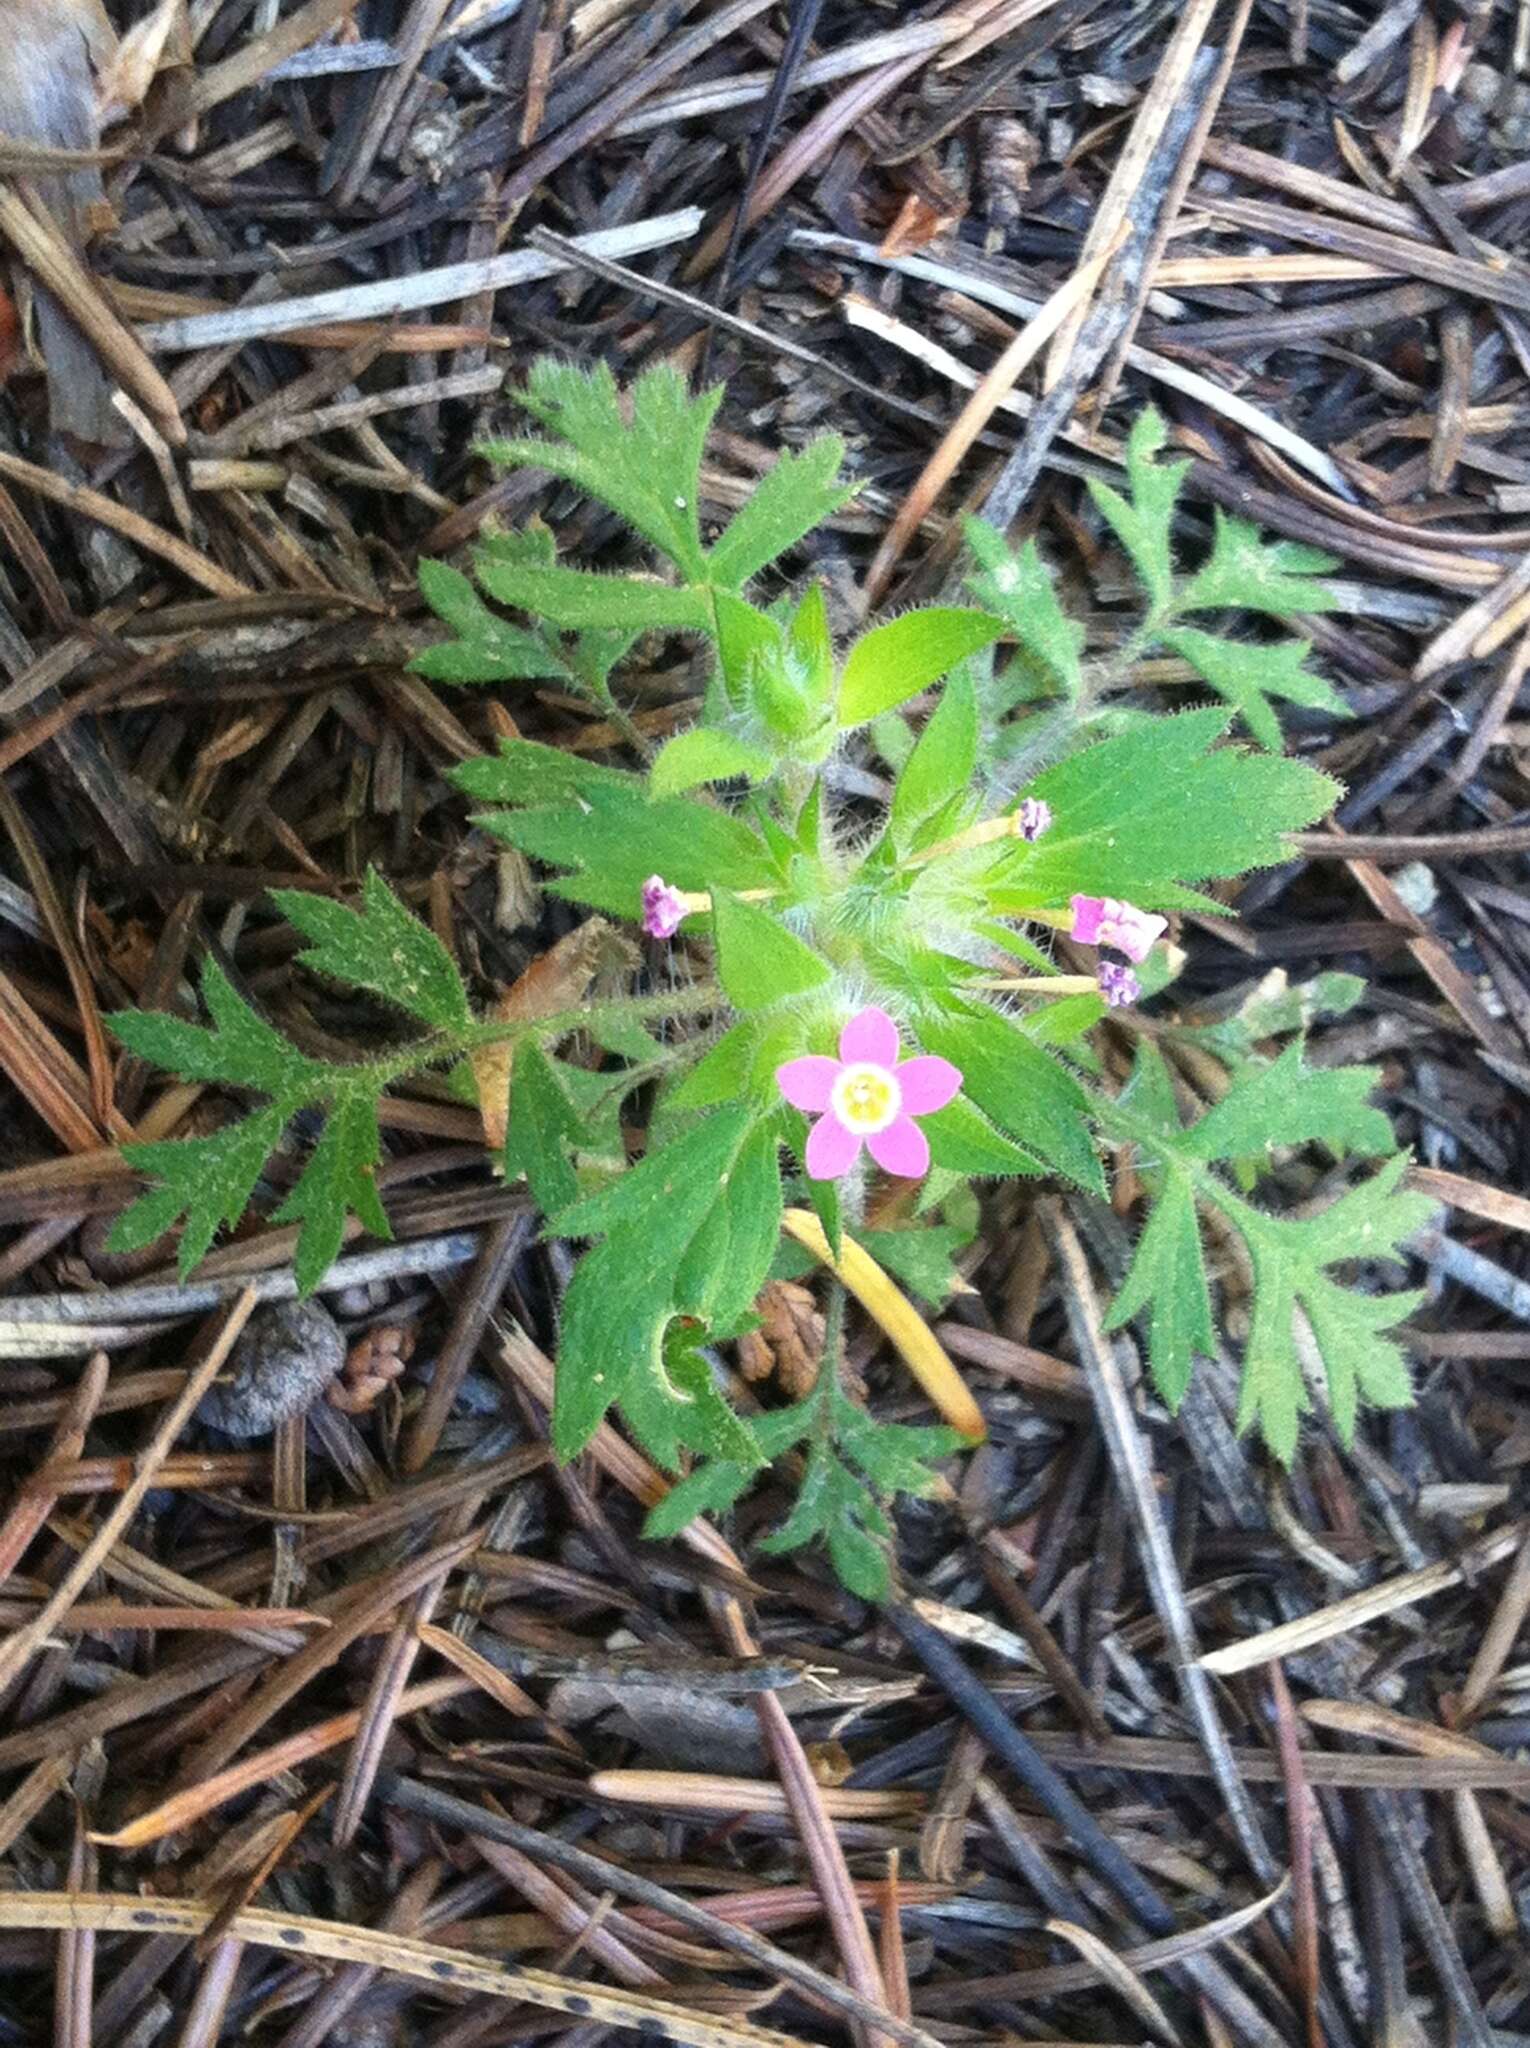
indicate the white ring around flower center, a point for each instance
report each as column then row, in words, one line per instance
column 865, row 1097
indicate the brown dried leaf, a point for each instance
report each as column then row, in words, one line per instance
column 160, row 41
column 789, row 1341
column 556, row 980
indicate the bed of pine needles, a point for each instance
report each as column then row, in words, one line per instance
column 364, row 1723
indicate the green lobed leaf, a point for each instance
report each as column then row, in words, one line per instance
column 587, row 599
column 488, row 649
column 614, row 1316
column 382, row 948
column 1360, row 1361
column 1347, row 1328
column 663, row 1198
column 943, row 761
column 746, row 639
column 647, row 467
column 1167, row 1282
column 893, row 1456
column 962, row 1140
column 1245, row 572
column 722, row 1074
column 692, row 1233
column 466, row 662
column 811, row 640
column 1136, row 815
column 338, row 1179
column 241, row 1049
column 672, row 1405
column 1295, row 1296
column 759, row 961
column 532, row 546
column 1249, row 674
column 525, row 772
column 1144, row 523
column 1017, row 585
column 543, row 1124
column 923, row 1259
column 1277, row 1005
column 779, row 670
column 623, row 1295
column 897, row 661
column 796, row 494
column 713, row 1487
column 1032, row 1099
column 838, row 1507
column 209, row 1181
column 893, row 738
column 752, row 1201
column 705, row 754
column 617, row 836
column 1285, row 1102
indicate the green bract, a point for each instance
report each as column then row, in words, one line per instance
column 1017, row 778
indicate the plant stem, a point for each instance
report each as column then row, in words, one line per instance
column 623, row 720
column 381, row 1073
column 1044, row 984
column 829, row 1363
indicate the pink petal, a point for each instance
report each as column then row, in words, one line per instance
column 902, row 1148
column 928, row 1082
column 1137, row 931
column 870, row 1035
column 832, row 1149
column 806, row 1082
column 1088, row 914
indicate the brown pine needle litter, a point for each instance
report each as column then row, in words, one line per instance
column 296, row 1934
column 333, row 1727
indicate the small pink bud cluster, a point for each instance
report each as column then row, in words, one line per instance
column 663, row 908
column 1106, row 921
column 1118, row 984
column 1032, row 819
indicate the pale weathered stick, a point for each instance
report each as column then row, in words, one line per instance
column 296, row 1934
column 394, row 295
column 1127, row 1451
column 43, row 249
column 1405, row 1590
column 977, row 412
column 710, row 1792
column 1175, row 375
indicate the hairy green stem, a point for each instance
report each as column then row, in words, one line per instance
column 436, row 1050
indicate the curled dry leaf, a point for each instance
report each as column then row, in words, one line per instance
column 558, row 979
column 376, row 1359
column 789, row 1341
column 160, row 41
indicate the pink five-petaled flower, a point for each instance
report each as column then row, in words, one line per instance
column 663, row 908
column 1104, row 921
column 866, row 1098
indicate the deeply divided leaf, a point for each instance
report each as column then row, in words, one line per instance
column 382, row 948
column 1304, row 1322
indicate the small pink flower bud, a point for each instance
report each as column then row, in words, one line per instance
column 663, row 908
column 1033, row 818
column 1118, row 985
column 1105, row 921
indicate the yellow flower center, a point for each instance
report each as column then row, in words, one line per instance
column 866, row 1097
